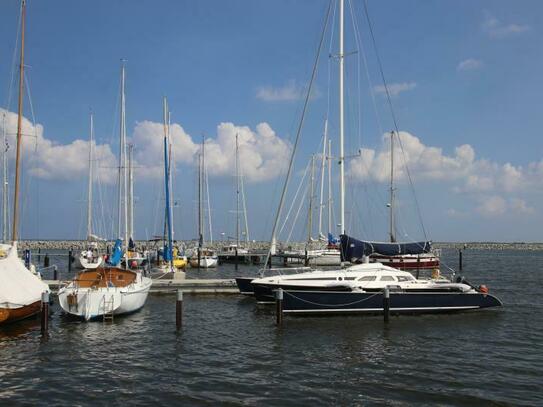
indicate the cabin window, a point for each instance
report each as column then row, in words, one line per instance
column 387, row 278
column 367, row 278
column 404, row 278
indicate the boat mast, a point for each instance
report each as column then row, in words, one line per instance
column 237, row 189
column 121, row 160
column 311, row 192
column 200, row 209
column 323, row 164
column 5, row 186
column 168, row 255
column 170, row 154
column 341, row 124
column 329, row 158
column 125, row 166
column 391, row 204
column 208, row 199
column 89, row 190
column 131, row 191
column 19, row 125
column 244, row 202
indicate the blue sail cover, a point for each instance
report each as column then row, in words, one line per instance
column 356, row 249
column 116, row 254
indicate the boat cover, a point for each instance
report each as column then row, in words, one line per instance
column 116, row 254
column 18, row 285
column 352, row 248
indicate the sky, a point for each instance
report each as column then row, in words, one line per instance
column 464, row 80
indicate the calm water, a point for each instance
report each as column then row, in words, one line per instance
column 231, row 352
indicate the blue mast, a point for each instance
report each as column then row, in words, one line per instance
column 168, row 254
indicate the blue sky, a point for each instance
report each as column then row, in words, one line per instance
column 465, row 78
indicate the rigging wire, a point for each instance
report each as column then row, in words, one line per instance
column 389, row 101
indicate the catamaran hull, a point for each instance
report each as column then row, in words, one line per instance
column 8, row 315
column 244, row 285
column 315, row 302
column 89, row 304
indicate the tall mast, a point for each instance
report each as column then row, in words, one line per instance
column 208, row 199
column 125, row 166
column 170, row 177
column 323, row 163
column 121, row 159
column 200, row 188
column 131, row 191
column 244, row 202
column 311, row 192
column 237, row 189
column 329, row 158
column 341, row 124
column 167, row 172
column 89, row 190
column 5, row 186
column 391, row 204
column 19, row 124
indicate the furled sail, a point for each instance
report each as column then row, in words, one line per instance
column 354, row 249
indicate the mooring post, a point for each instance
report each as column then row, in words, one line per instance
column 460, row 259
column 236, row 259
column 46, row 260
column 39, row 255
column 386, row 303
column 418, row 265
column 279, row 306
column 179, row 309
column 306, row 258
column 55, row 273
column 27, row 258
column 44, row 312
column 70, row 256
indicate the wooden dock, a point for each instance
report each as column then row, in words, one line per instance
column 189, row 286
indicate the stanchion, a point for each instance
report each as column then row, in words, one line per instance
column 279, row 306
column 179, row 309
column 44, row 312
column 386, row 304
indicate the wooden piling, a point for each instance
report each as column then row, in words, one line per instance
column 55, row 273
column 386, row 304
column 70, row 259
column 46, row 260
column 44, row 312
column 460, row 260
column 306, row 258
column 237, row 259
column 179, row 310
column 279, row 307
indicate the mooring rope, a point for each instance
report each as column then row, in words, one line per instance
column 331, row 305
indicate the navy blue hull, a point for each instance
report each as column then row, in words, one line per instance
column 400, row 302
column 244, row 285
column 266, row 293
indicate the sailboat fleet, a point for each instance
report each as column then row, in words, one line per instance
column 116, row 283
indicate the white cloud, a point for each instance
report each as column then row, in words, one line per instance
column 290, row 92
column 394, row 89
column 520, row 206
column 492, row 206
column 50, row 160
column 495, row 28
column 469, row 64
column 262, row 153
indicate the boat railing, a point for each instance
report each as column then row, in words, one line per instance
column 283, row 270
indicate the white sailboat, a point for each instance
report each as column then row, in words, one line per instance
column 109, row 290
column 90, row 258
column 20, row 288
column 204, row 257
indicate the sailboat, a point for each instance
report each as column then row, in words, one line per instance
column 109, row 290
column 90, row 258
column 415, row 256
column 361, row 288
column 20, row 288
column 204, row 257
column 234, row 252
column 170, row 262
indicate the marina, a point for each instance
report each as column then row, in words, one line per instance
column 253, row 207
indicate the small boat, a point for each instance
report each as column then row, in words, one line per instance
column 89, row 259
column 206, row 259
column 104, row 292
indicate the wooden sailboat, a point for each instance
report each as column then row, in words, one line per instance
column 109, row 290
column 204, row 258
column 20, row 288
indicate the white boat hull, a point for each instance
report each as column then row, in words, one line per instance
column 92, row 303
column 85, row 263
column 205, row 262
